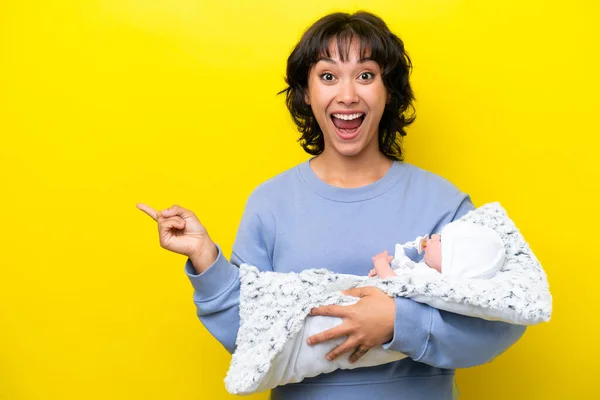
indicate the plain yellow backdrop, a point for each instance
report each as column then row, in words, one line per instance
column 107, row 103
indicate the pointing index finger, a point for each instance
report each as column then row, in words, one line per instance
column 148, row 210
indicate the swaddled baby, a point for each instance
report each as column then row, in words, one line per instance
column 462, row 250
column 467, row 251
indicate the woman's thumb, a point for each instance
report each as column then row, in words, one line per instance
column 355, row 292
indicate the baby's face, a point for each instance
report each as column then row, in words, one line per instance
column 433, row 252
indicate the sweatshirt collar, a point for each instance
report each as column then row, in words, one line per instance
column 349, row 195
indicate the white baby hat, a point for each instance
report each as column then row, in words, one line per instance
column 470, row 250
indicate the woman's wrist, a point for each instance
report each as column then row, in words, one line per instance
column 203, row 258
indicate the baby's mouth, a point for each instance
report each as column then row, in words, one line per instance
column 423, row 244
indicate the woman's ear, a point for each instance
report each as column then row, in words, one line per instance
column 306, row 97
column 389, row 98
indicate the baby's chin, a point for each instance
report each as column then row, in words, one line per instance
column 432, row 263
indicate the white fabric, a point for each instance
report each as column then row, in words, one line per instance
column 298, row 360
column 270, row 345
column 417, row 243
column 470, row 250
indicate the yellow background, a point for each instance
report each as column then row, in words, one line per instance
column 107, row 103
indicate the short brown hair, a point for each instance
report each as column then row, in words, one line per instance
column 376, row 41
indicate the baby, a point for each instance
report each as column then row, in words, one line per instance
column 468, row 250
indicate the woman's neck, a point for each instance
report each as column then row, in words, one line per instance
column 350, row 172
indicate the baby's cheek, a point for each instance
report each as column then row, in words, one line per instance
column 433, row 257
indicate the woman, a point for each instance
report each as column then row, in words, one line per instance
column 349, row 94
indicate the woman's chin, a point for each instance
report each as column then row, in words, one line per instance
column 350, row 144
column 349, row 149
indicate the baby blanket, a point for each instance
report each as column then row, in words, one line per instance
column 274, row 306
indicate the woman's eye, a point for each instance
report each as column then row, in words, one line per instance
column 327, row 76
column 367, row 75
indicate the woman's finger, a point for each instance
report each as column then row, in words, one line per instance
column 329, row 334
column 343, row 348
column 331, row 310
column 359, row 292
column 148, row 210
column 177, row 210
column 165, row 229
column 358, row 353
column 175, row 222
column 169, row 223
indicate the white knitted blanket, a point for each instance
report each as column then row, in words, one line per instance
column 273, row 305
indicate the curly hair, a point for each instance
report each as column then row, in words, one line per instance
column 375, row 41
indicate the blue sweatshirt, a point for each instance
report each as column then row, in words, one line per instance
column 296, row 221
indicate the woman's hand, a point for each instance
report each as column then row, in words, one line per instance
column 368, row 323
column 180, row 231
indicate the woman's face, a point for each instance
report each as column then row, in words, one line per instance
column 347, row 99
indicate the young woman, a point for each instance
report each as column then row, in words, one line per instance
column 349, row 93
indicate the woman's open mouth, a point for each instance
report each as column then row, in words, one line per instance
column 347, row 126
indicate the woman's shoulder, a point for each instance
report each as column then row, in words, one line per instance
column 279, row 182
column 434, row 197
column 431, row 182
column 275, row 187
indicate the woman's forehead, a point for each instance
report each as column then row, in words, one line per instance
column 345, row 48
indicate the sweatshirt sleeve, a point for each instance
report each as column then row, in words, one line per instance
column 447, row 340
column 217, row 289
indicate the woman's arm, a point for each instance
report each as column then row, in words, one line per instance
column 447, row 340
column 217, row 289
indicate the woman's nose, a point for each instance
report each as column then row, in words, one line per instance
column 347, row 94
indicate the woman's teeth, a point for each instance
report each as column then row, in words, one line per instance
column 348, row 117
